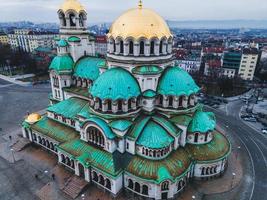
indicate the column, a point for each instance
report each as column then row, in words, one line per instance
column 175, row 102
column 136, row 48
column 126, row 48
column 156, row 50
column 147, row 48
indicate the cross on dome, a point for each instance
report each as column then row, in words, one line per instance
column 140, row 4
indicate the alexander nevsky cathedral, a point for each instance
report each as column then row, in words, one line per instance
column 129, row 122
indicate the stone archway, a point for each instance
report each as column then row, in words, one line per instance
column 81, row 170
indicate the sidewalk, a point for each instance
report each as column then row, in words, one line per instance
column 15, row 81
column 235, row 98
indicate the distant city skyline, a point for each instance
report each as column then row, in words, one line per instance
column 105, row 11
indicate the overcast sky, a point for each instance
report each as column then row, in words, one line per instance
column 108, row 10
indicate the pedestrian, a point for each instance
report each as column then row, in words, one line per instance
column 36, row 176
column 53, row 176
column 10, row 137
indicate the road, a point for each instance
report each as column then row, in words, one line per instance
column 252, row 141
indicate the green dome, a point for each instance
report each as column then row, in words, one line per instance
column 115, row 83
column 62, row 43
column 88, row 67
column 74, row 39
column 202, row 122
column 149, row 94
column 62, row 63
column 154, row 136
column 176, row 82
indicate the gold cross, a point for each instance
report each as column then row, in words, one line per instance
column 140, row 5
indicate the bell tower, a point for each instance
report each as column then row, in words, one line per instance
column 73, row 28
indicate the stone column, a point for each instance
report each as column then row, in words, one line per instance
column 164, row 48
column 136, row 48
column 126, row 48
column 147, row 48
column 176, row 102
column 114, row 106
column 165, row 101
column 156, row 49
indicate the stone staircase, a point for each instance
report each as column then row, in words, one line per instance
column 20, row 144
column 74, row 186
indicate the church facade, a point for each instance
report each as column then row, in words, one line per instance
column 130, row 121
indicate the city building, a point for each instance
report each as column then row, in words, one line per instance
column 189, row 60
column 28, row 40
column 213, row 67
column 212, row 51
column 101, row 45
column 131, row 121
column 231, row 63
column 248, row 63
column 3, row 38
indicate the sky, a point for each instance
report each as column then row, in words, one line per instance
column 107, row 10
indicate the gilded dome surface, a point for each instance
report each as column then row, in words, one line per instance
column 32, row 118
column 72, row 5
column 140, row 22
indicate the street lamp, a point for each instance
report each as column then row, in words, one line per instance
column 13, row 156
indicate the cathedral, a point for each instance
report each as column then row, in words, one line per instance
column 129, row 122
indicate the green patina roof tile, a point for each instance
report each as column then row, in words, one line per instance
column 176, row 82
column 170, row 168
column 88, row 67
column 55, row 130
column 202, row 122
column 74, row 39
column 217, row 148
column 115, row 83
column 154, row 136
column 62, row 43
column 63, row 63
column 147, row 69
column 120, row 125
column 77, row 90
column 181, row 120
column 138, row 127
column 68, row 108
column 92, row 156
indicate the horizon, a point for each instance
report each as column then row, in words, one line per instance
column 98, row 12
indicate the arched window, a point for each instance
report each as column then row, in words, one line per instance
column 101, row 180
column 137, row 187
column 62, row 19
column 196, row 137
column 181, row 101
column 95, row 177
column 63, row 158
column 108, row 184
column 109, row 105
column 142, row 48
column 81, row 170
column 203, row 171
column 160, row 46
column 114, row 46
column 95, row 136
column 67, row 161
column 121, row 47
column 206, row 136
column 81, row 20
column 130, row 184
column 145, row 190
column 119, row 105
column 152, row 48
column 131, row 48
column 170, row 101
column 72, row 19
column 165, row 186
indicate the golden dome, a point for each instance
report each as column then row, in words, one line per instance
column 140, row 22
column 33, row 118
column 72, row 5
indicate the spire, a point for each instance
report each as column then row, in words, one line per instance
column 140, row 4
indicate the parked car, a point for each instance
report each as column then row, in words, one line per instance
column 250, row 119
column 264, row 130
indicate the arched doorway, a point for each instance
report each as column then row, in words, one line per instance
column 81, row 170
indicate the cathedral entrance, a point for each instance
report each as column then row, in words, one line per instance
column 81, row 170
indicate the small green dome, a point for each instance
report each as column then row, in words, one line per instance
column 62, row 43
column 202, row 122
column 62, row 63
column 74, row 39
column 115, row 83
column 88, row 67
column 176, row 82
